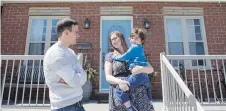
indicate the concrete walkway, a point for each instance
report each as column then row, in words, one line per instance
column 89, row 106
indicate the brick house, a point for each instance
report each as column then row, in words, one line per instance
column 189, row 28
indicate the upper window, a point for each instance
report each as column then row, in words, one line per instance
column 185, row 35
column 41, row 34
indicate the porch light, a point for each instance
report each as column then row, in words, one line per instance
column 146, row 24
column 86, row 24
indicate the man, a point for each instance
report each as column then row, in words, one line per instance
column 63, row 74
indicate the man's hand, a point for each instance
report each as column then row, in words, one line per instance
column 62, row 81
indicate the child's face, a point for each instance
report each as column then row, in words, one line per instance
column 135, row 40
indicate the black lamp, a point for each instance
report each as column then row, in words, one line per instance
column 146, row 24
column 86, row 24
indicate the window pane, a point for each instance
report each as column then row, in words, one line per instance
column 36, row 49
column 54, row 22
column 44, row 30
column 45, row 23
column 193, row 30
column 198, row 36
column 193, row 22
column 43, row 37
column 174, row 30
column 190, row 22
column 36, row 21
column 200, row 62
column 53, row 30
column 197, row 29
column 191, row 33
column 196, row 22
column 176, row 48
column 38, row 29
column 53, row 37
column 196, row 48
column 177, row 63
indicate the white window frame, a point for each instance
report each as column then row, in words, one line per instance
column 185, row 37
column 48, row 31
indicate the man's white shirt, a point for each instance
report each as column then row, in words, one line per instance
column 61, row 62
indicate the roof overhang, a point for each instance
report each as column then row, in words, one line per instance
column 54, row 1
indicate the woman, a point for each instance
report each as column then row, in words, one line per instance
column 116, row 73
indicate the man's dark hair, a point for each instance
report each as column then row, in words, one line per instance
column 63, row 25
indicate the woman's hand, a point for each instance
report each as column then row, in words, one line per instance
column 124, row 85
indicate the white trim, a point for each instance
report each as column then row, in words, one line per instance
column 166, row 35
column 101, row 58
column 203, row 30
column 116, row 18
column 49, row 11
column 184, row 17
column 48, row 34
column 49, row 1
column 206, row 58
column 185, row 36
column 37, row 42
column 48, row 31
column 22, row 57
column 182, row 57
column 28, row 38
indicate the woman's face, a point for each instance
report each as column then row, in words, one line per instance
column 115, row 40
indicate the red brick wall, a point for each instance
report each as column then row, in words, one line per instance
column 15, row 24
column 14, row 29
column 215, row 24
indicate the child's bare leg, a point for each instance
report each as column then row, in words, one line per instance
column 129, row 106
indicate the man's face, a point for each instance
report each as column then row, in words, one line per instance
column 73, row 35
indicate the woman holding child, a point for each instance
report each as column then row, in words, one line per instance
column 120, row 73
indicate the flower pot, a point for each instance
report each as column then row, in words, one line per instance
column 87, row 91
